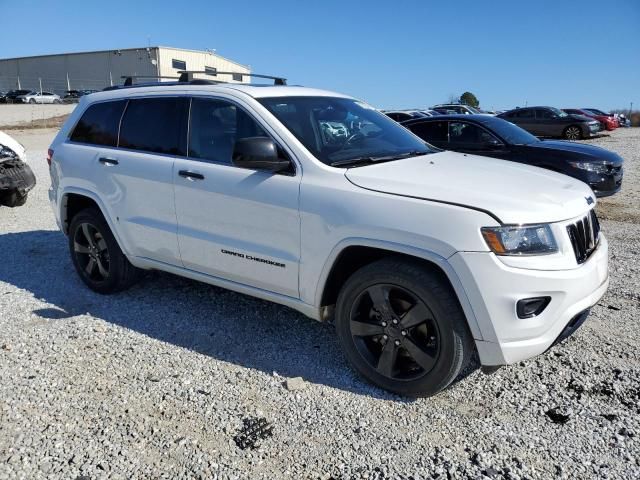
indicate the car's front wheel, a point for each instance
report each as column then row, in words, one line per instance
column 572, row 132
column 402, row 328
column 96, row 255
column 32, row 100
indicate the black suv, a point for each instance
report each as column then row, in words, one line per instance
column 497, row 138
column 552, row 122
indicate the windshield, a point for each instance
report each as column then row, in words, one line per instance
column 336, row 130
column 511, row 133
column 559, row 112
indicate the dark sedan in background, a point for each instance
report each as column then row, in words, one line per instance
column 497, row 138
column 552, row 122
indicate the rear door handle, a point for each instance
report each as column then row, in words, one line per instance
column 108, row 161
column 191, row 175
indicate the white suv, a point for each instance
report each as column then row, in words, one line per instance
column 319, row 202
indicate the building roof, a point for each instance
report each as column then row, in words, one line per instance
column 127, row 50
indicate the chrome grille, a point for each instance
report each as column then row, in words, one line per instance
column 584, row 235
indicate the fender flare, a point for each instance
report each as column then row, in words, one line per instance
column 101, row 206
column 392, row 247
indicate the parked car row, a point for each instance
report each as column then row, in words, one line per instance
column 542, row 121
column 30, row 96
column 35, row 96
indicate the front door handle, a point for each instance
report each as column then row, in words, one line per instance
column 108, row 161
column 191, row 175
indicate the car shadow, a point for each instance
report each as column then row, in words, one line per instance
column 212, row 321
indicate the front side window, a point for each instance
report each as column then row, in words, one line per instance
column 155, row 125
column 462, row 132
column 215, row 127
column 339, row 130
column 432, row 132
column 99, row 124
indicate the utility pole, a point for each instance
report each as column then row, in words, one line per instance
column 40, row 80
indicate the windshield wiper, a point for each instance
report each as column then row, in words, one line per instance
column 352, row 162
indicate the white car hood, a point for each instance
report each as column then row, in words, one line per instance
column 13, row 144
column 512, row 192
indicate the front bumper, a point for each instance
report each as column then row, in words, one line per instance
column 605, row 184
column 16, row 181
column 494, row 288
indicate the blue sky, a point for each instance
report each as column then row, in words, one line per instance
column 393, row 54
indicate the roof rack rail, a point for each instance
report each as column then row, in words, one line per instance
column 128, row 79
column 187, row 76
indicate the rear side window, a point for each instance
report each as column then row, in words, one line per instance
column 524, row 113
column 99, row 124
column 430, row 131
column 156, row 125
column 544, row 114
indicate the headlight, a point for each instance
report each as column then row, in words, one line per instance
column 526, row 240
column 591, row 167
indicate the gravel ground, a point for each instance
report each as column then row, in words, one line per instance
column 16, row 114
column 155, row 382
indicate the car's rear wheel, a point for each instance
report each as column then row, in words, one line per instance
column 572, row 132
column 32, row 100
column 96, row 254
column 401, row 327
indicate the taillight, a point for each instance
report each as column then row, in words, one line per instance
column 49, row 156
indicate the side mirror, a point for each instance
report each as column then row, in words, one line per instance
column 492, row 146
column 258, row 153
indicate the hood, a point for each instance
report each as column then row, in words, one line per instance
column 583, row 152
column 12, row 144
column 512, row 192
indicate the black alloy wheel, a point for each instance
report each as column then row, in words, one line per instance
column 96, row 255
column 91, row 252
column 402, row 328
column 394, row 332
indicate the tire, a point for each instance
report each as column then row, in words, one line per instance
column 57, row 102
column 32, row 100
column 92, row 242
column 431, row 345
column 572, row 132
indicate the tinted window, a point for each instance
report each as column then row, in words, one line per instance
column 215, row 127
column 155, row 125
column 524, row 113
column 211, row 71
column 509, row 132
column 237, row 77
column 430, row 131
column 99, row 124
column 461, row 132
column 179, row 64
column 544, row 114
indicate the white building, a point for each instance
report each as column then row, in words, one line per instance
column 97, row 70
